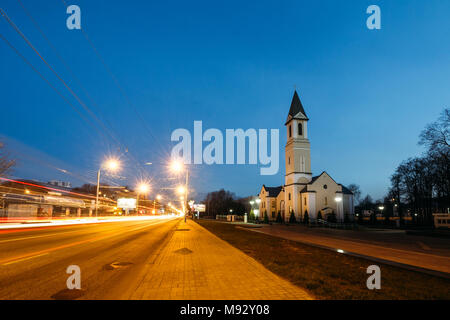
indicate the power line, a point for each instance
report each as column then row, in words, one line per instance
column 107, row 127
column 117, row 83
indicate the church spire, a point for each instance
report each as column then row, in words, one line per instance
column 296, row 111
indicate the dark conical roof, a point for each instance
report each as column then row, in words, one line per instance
column 296, row 110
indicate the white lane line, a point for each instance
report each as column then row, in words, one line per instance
column 34, row 237
column 23, row 259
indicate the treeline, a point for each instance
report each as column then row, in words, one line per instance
column 420, row 186
column 225, row 202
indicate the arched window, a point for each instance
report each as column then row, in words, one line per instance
column 300, row 129
column 290, row 131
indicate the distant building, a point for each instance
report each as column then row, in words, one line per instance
column 63, row 184
column 441, row 220
column 301, row 191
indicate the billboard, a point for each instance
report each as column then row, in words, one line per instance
column 199, row 207
column 126, row 203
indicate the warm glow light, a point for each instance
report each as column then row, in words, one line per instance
column 252, row 202
column 143, row 188
column 181, row 190
column 176, row 166
column 258, row 201
column 158, row 197
column 112, row 164
column 338, row 199
column 381, row 207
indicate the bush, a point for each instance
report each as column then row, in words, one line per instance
column 306, row 217
column 319, row 215
column 332, row 217
column 292, row 218
column 279, row 219
column 373, row 218
column 346, row 218
column 266, row 217
column 251, row 216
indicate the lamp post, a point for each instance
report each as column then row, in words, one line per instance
column 112, row 165
column 338, row 200
column 158, row 197
column 177, row 167
column 258, row 201
column 143, row 188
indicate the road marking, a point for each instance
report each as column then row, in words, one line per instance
column 46, row 251
column 423, row 245
column 34, row 237
column 23, row 259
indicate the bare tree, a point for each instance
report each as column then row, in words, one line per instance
column 356, row 190
column 436, row 136
column 6, row 163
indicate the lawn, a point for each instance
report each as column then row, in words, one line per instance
column 326, row 274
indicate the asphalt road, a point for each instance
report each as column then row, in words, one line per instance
column 33, row 262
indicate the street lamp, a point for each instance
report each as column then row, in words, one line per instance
column 158, row 197
column 142, row 188
column 112, row 165
column 177, row 167
column 338, row 200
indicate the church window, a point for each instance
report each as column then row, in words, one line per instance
column 326, row 201
column 290, row 131
column 289, row 196
column 289, row 160
column 304, row 200
column 325, row 186
column 300, row 129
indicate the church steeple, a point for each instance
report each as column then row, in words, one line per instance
column 296, row 110
column 298, row 157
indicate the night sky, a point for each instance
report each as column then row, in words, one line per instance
column 160, row 65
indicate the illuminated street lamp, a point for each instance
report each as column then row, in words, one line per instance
column 177, row 167
column 158, row 197
column 112, row 165
column 338, row 200
column 142, row 188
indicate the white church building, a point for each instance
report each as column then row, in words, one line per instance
column 302, row 192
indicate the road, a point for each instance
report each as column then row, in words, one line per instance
column 33, row 262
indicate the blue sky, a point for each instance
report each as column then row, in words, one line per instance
column 231, row 64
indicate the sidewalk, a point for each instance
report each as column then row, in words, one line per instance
column 197, row 265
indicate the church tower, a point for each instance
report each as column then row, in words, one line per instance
column 298, row 155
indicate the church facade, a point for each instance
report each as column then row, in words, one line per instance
column 302, row 192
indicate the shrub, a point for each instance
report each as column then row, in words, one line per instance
column 306, row 217
column 346, row 218
column 292, row 218
column 319, row 215
column 331, row 217
column 279, row 219
column 266, row 217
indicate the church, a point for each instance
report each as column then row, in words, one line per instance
column 302, row 192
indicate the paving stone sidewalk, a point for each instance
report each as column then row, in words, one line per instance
column 195, row 264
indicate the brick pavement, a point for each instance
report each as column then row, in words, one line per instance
column 195, row 264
